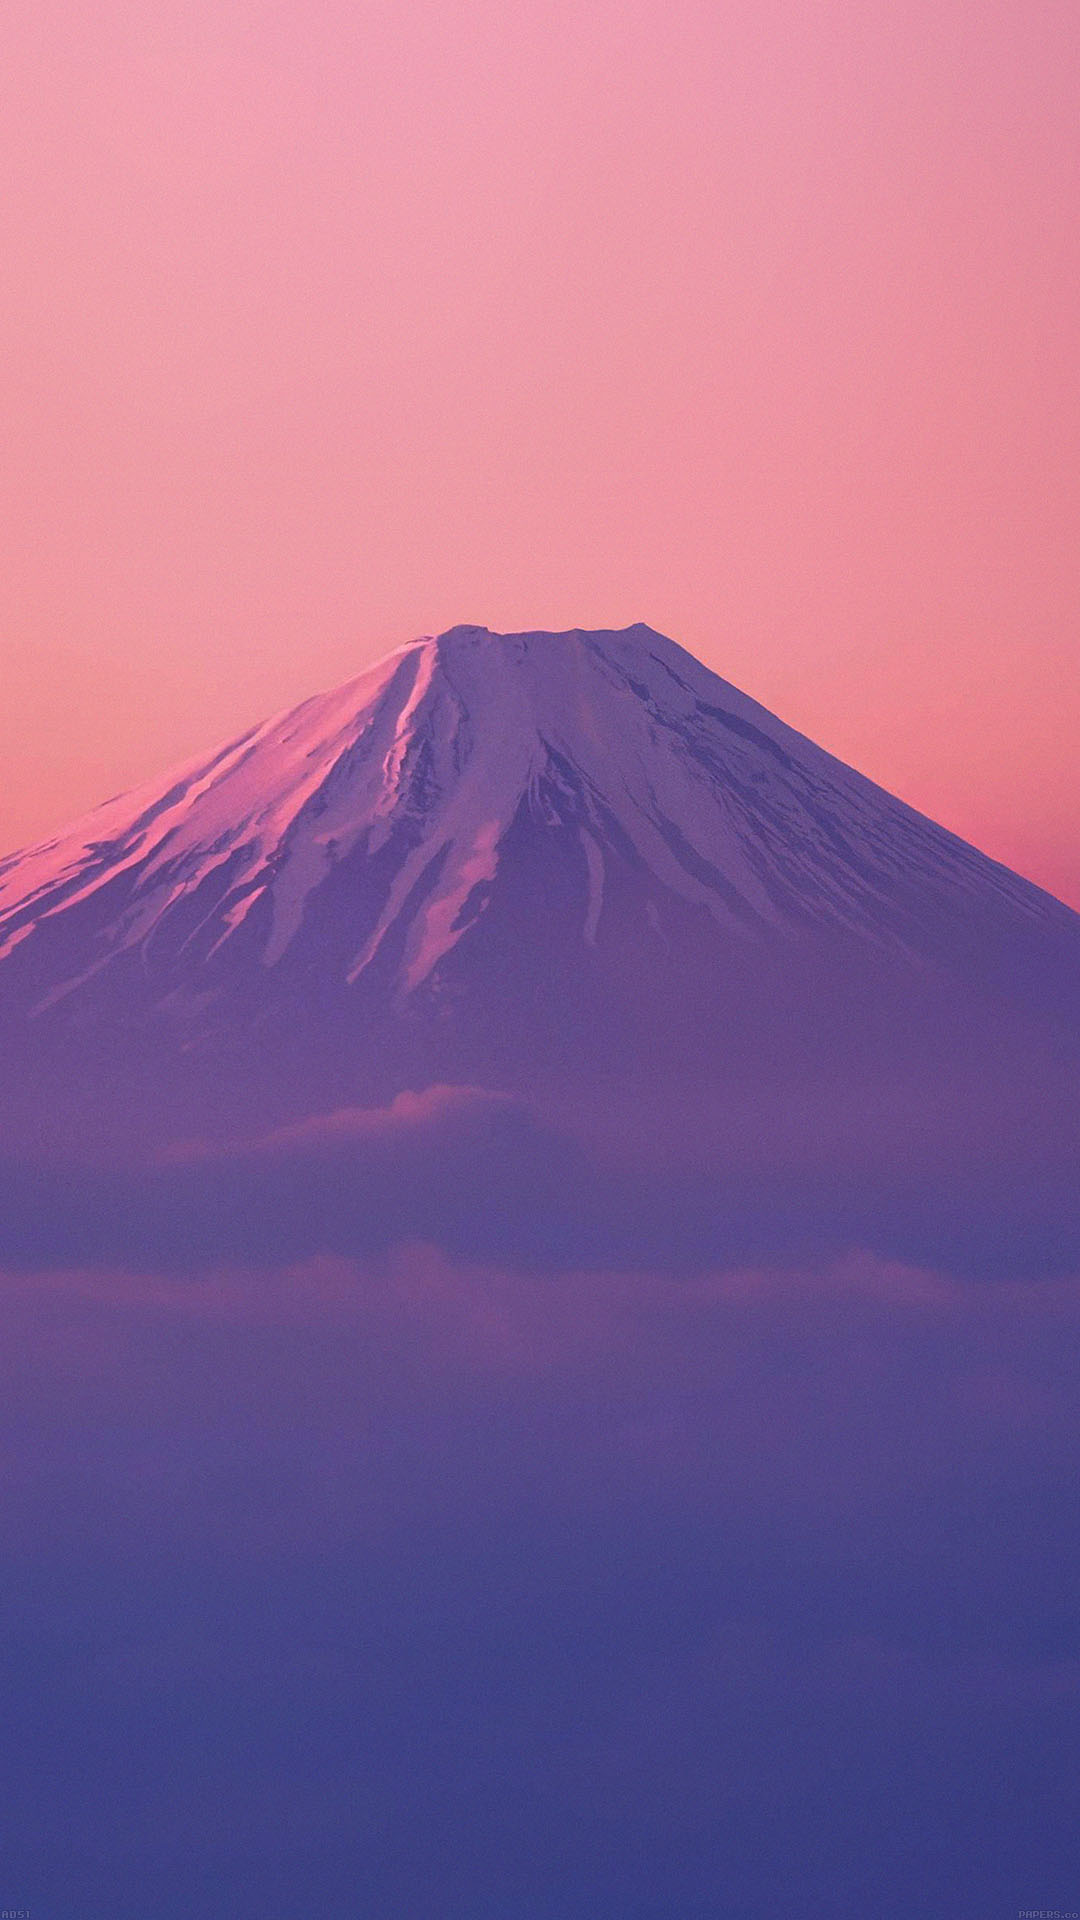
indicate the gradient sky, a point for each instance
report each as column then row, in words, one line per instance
column 322, row 325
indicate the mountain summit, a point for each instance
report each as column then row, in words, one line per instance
column 503, row 855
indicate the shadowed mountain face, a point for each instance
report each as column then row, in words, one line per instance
column 550, row 864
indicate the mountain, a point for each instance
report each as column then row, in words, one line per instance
column 521, row 860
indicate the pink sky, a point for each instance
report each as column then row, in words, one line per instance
column 325, row 324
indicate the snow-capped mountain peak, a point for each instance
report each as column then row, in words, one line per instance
column 374, row 829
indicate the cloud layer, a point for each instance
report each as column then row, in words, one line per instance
column 978, row 1189
column 410, row 1587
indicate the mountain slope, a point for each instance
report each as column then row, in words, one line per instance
column 490, row 852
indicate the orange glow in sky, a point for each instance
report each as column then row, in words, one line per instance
column 324, row 323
